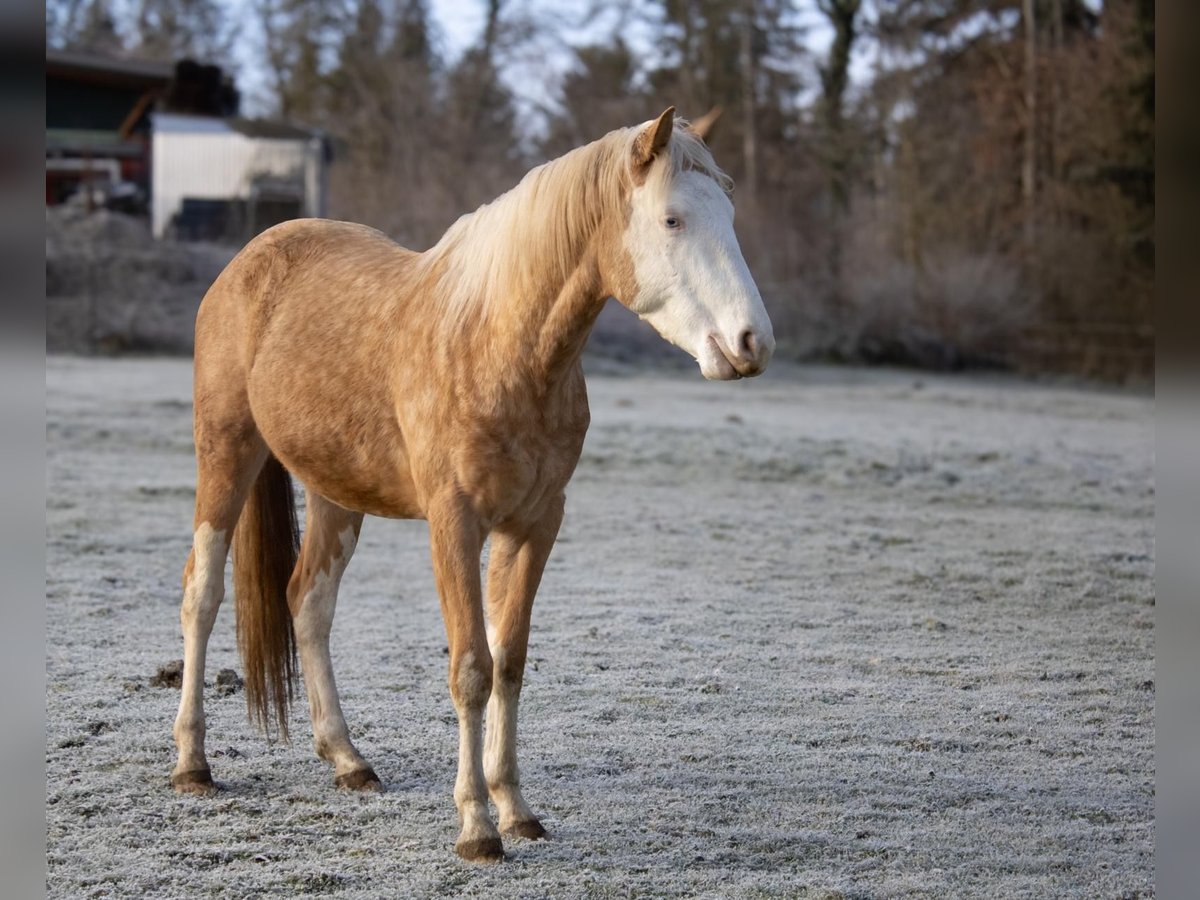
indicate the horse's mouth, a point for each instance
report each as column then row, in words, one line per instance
column 714, row 363
column 725, row 366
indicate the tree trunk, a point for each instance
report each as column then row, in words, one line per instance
column 1029, row 161
column 687, row 61
column 1056, row 37
column 842, row 15
column 749, row 134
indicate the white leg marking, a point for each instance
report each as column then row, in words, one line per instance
column 202, row 597
column 500, row 753
column 331, row 738
column 470, row 787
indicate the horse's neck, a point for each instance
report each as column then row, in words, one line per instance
column 532, row 339
column 559, row 326
column 531, row 325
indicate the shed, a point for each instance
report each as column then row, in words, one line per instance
column 97, row 120
column 230, row 178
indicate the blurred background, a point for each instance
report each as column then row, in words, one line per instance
column 941, row 183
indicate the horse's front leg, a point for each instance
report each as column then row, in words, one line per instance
column 518, row 558
column 456, row 538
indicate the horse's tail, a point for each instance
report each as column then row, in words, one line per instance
column 265, row 545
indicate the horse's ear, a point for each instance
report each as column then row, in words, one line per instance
column 653, row 138
column 703, row 126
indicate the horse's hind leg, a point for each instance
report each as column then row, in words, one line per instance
column 228, row 459
column 330, row 536
column 515, row 568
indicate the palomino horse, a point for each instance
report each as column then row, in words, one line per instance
column 447, row 386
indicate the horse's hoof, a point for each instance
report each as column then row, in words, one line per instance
column 530, row 829
column 194, row 781
column 481, row 850
column 359, row 780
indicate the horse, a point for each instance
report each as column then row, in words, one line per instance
column 444, row 385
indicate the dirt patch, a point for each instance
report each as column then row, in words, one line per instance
column 169, row 675
column 228, row 682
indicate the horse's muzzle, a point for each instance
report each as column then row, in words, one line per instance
column 753, row 352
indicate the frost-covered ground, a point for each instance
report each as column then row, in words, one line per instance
column 826, row 633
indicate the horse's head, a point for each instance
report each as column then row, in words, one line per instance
column 692, row 284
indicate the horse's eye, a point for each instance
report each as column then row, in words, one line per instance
column 672, row 222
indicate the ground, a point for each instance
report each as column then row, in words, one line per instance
column 827, row 633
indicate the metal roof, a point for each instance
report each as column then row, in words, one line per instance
column 268, row 128
column 64, row 62
column 178, row 123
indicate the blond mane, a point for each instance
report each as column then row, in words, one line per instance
column 530, row 238
column 690, row 154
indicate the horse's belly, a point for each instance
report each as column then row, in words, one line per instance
column 346, row 447
column 380, row 493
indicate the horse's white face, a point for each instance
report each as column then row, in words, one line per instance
column 693, row 285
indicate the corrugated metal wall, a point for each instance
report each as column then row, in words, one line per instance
column 216, row 163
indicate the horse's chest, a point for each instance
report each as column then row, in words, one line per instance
column 511, row 474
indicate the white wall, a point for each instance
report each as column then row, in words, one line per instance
column 205, row 158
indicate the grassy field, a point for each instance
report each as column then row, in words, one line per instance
column 828, row 633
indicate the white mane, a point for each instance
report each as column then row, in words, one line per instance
column 530, row 238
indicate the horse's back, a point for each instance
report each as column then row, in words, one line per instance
column 298, row 263
column 302, row 326
column 293, row 279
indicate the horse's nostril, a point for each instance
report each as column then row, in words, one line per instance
column 748, row 344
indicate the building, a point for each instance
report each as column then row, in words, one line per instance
column 98, row 121
column 219, row 178
column 168, row 140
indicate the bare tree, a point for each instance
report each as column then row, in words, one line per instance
column 84, row 25
column 295, row 32
column 1030, row 144
column 843, row 15
column 171, row 30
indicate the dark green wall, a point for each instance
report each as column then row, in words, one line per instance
column 91, row 107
